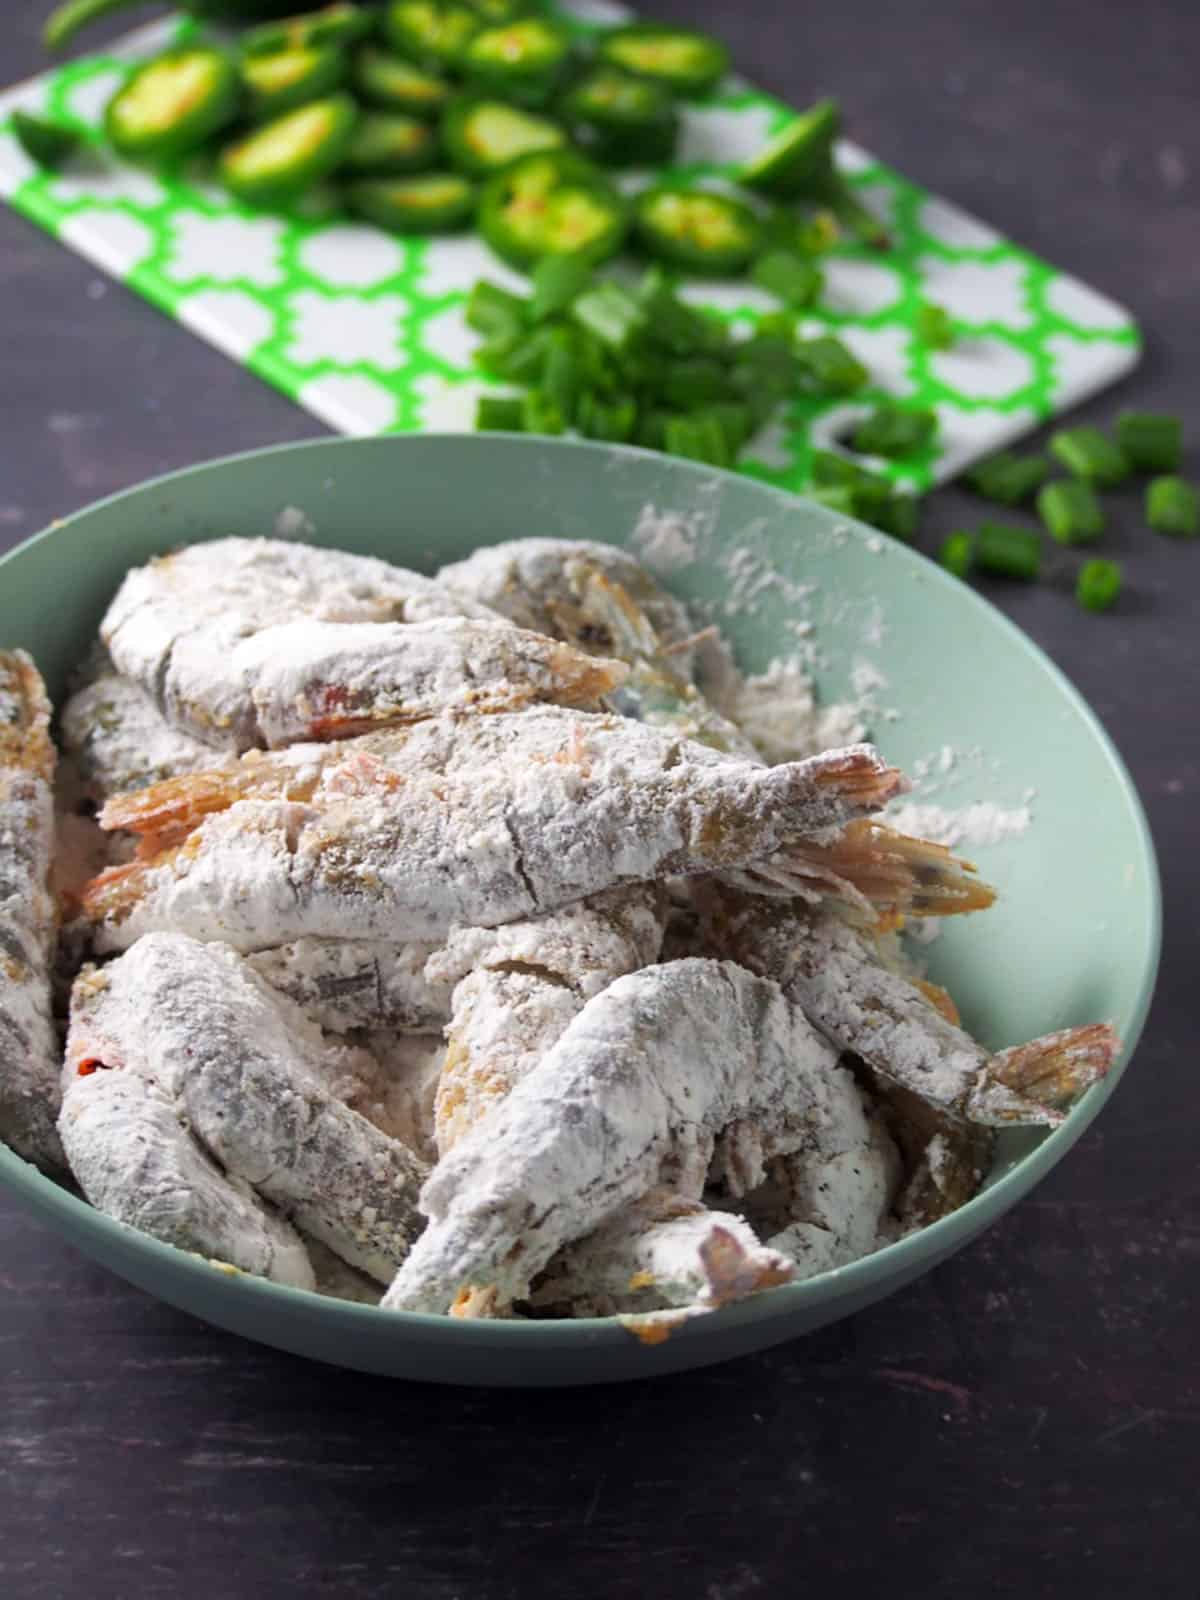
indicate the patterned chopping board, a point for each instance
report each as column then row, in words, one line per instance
column 366, row 331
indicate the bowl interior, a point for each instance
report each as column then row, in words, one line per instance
column 1073, row 938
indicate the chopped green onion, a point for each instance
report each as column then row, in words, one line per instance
column 693, row 382
column 1008, row 552
column 1090, row 454
column 935, row 329
column 1150, row 443
column 830, row 365
column 792, row 277
column 557, row 281
column 697, row 439
column 1071, row 511
column 957, row 554
column 1173, row 507
column 563, row 373
column 493, row 311
column 539, row 414
column 897, row 515
column 1098, row 585
column 611, row 313
column 612, row 421
column 1007, row 478
column 495, row 413
column 891, row 431
column 837, row 497
column 830, row 470
column 46, row 143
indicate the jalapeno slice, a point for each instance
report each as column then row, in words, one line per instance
column 387, row 144
column 278, row 161
column 48, row 144
column 551, row 203
column 171, row 105
column 622, row 119
column 522, row 60
column 695, row 228
column 429, row 32
column 480, row 134
column 493, row 11
column 397, row 85
column 434, row 202
column 799, row 164
column 336, row 25
column 290, row 78
column 682, row 60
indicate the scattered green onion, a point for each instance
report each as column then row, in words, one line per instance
column 1173, row 507
column 539, row 414
column 892, row 431
column 493, row 311
column 935, row 328
column 1150, row 443
column 1007, row 478
column 957, row 554
column 792, row 277
column 611, row 313
column 837, row 497
column 897, row 515
column 1098, row 585
column 830, row 365
column 1008, row 552
column 557, row 281
column 1070, row 510
column 496, row 413
column 1090, row 454
column 47, row 144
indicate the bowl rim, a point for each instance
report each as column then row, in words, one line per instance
column 902, row 1258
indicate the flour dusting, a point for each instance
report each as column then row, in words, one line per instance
column 779, row 712
column 984, row 822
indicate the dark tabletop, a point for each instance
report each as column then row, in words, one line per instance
column 1027, row 1414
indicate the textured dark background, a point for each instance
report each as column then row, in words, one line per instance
column 1029, row 1415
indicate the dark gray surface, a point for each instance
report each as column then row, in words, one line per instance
column 1030, row 1413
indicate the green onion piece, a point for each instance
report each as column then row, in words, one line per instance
column 1098, row 585
column 892, row 431
column 493, row 311
column 557, row 281
column 612, row 421
column 935, row 329
column 539, row 414
column 834, row 471
column 1173, row 507
column 563, row 374
column 496, row 413
column 837, row 497
column 897, row 515
column 697, row 439
column 830, row 365
column 1007, row 478
column 1150, row 443
column 957, row 554
column 1071, row 511
column 672, row 324
column 735, row 422
column 792, row 277
column 693, row 382
column 651, row 431
column 779, row 325
column 47, row 144
column 1008, row 552
column 611, row 313
column 1090, row 454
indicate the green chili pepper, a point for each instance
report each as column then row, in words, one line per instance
column 792, row 277
column 431, row 202
column 1008, row 479
column 682, row 60
column 429, row 32
column 1070, row 510
column 893, row 431
column 277, row 162
column 333, row 26
column 1173, row 507
column 1150, row 443
column 279, row 83
column 169, row 106
column 1090, row 454
column 397, row 85
column 480, row 134
column 830, row 365
column 694, row 228
column 66, row 22
column 386, row 144
column 1098, row 585
column 957, row 554
column 48, row 144
column 798, row 164
column 1008, row 552
column 499, row 413
column 622, row 119
column 552, row 202
column 521, row 61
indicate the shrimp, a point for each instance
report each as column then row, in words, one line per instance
column 945, row 1161
column 887, row 1021
column 470, row 822
column 176, row 623
column 256, row 1083
column 663, row 1074
column 29, row 1051
column 343, row 984
column 601, row 599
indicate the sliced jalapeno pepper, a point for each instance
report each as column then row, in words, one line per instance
column 434, row 202
column 388, row 144
column 336, row 25
column 494, row 11
column 551, row 203
column 520, row 61
column 622, row 119
column 291, row 78
column 172, row 104
column 278, row 161
column 694, row 228
column 481, row 135
column 682, row 60
column 432, row 33
column 798, row 164
column 46, row 143
column 389, row 81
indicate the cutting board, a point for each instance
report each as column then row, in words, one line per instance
column 366, row 331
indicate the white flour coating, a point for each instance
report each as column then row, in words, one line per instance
column 666, row 541
column 257, row 1084
column 983, row 822
column 399, row 1096
column 779, row 712
column 358, row 983
column 666, row 1072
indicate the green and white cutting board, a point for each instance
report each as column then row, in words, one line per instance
column 366, row 331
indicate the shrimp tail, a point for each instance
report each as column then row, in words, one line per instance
column 873, row 865
column 1041, row 1080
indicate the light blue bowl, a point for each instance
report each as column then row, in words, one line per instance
column 1075, row 937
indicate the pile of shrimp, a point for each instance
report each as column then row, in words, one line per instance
column 442, row 944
